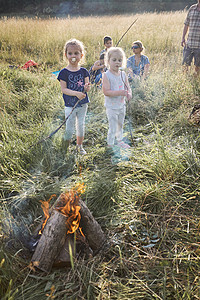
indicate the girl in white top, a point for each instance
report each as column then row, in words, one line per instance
column 116, row 90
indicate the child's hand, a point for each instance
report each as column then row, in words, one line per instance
column 87, row 87
column 126, row 93
column 80, row 95
column 129, row 96
column 123, row 93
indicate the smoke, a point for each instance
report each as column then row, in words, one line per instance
column 16, row 224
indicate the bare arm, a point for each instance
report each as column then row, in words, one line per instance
column 146, row 71
column 69, row 92
column 87, row 84
column 110, row 93
column 185, row 29
column 129, row 94
column 130, row 72
column 97, row 65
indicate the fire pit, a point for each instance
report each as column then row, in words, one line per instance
column 68, row 225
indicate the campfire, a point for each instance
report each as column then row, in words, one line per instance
column 68, row 228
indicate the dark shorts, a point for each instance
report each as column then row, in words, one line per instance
column 189, row 54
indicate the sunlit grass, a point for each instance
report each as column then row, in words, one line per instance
column 43, row 40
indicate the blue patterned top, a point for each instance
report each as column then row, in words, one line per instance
column 75, row 81
column 137, row 70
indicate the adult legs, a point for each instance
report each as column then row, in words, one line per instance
column 188, row 55
column 197, row 61
column 197, row 70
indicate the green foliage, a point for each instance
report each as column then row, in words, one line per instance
column 27, row 107
column 7, row 271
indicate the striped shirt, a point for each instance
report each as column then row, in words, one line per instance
column 193, row 21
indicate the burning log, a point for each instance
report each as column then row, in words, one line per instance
column 56, row 245
column 90, row 227
column 50, row 243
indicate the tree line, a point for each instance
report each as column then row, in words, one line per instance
column 83, row 6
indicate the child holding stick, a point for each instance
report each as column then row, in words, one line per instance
column 74, row 82
column 116, row 89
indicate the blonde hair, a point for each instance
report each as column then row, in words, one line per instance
column 76, row 43
column 113, row 50
column 139, row 43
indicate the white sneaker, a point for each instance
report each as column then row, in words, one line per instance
column 80, row 149
column 123, row 145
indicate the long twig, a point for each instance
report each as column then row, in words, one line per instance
column 129, row 110
column 129, row 107
column 125, row 33
column 51, row 134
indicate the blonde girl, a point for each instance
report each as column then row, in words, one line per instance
column 116, row 90
column 74, row 82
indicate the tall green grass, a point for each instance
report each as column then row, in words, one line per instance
column 146, row 201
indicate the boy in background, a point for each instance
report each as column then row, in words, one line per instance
column 107, row 41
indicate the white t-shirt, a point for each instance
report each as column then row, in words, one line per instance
column 117, row 83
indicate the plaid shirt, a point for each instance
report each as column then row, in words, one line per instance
column 193, row 21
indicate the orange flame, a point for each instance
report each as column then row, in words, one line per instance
column 45, row 207
column 71, row 207
column 68, row 206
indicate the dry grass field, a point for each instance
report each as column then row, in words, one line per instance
column 43, row 40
